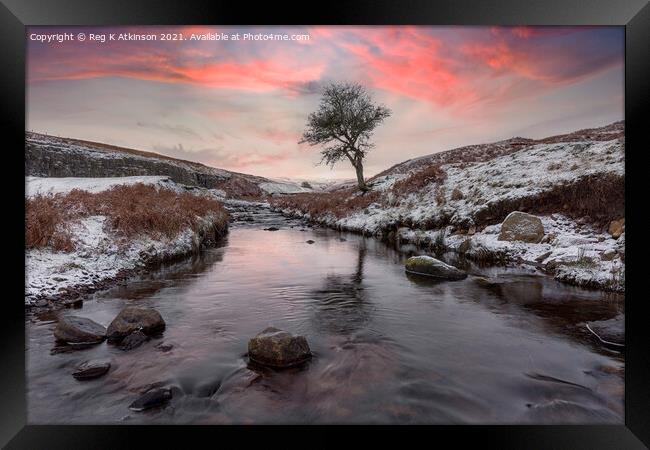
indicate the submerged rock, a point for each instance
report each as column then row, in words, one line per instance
column 134, row 340
column 271, row 229
column 79, row 330
column 432, row 267
column 151, row 399
column 277, row 348
column 135, row 318
column 164, row 347
column 564, row 411
column 310, row 241
column 610, row 332
column 519, row 226
column 91, row 369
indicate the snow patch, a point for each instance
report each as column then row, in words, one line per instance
column 43, row 186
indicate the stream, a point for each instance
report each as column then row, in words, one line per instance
column 502, row 346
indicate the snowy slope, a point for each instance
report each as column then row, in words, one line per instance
column 485, row 182
column 43, row 186
column 100, row 256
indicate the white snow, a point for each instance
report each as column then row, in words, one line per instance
column 99, row 254
column 511, row 177
column 43, row 186
column 279, row 187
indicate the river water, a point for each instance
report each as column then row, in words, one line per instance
column 502, row 346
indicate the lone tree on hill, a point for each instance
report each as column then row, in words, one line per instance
column 344, row 123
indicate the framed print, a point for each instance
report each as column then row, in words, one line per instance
column 406, row 215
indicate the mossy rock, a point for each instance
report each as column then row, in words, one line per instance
column 432, row 267
column 278, row 349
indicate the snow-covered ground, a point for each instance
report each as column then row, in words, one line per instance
column 509, row 178
column 577, row 254
column 283, row 187
column 472, row 190
column 43, row 186
column 100, row 255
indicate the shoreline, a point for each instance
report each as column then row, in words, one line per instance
column 563, row 262
column 71, row 294
column 108, row 244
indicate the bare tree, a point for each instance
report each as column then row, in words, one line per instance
column 344, row 123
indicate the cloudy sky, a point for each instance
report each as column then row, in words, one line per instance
column 242, row 105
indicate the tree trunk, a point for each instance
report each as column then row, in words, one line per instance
column 360, row 181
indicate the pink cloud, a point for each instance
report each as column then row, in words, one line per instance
column 457, row 69
column 408, row 61
column 278, row 136
column 239, row 161
column 193, row 64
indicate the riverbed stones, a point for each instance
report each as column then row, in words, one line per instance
column 611, row 331
column 79, row 330
column 278, row 349
column 91, row 370
column 134, row 340
column 151, row 399
column 432, row 267
column 164, row 347
column 135, row 318
column 520, row 226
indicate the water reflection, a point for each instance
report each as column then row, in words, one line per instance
column 342, row 305
column 498, row 347
column 562, row 309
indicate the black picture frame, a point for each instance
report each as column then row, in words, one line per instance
column 16, row 14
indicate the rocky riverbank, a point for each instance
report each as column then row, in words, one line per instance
column 459, row 201
column 78, row 244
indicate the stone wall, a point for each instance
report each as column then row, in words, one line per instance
column 43, row 159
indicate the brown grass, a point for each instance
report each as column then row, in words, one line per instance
column 599, row 197
column 44, row 225
column 420, row 179
column 241, row 188
column 456, row 194
column 132, row 210
column 485, row 152
column 338, row 204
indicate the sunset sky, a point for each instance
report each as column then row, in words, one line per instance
column 242, row 105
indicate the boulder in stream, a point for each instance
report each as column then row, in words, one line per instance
column 135, row 318
column 611, row 332
column 278, row 349
column 432, row 267
column 79, row 330
column 151, row 399
column 91, row 369
column 164, row 347
column 134, row 340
